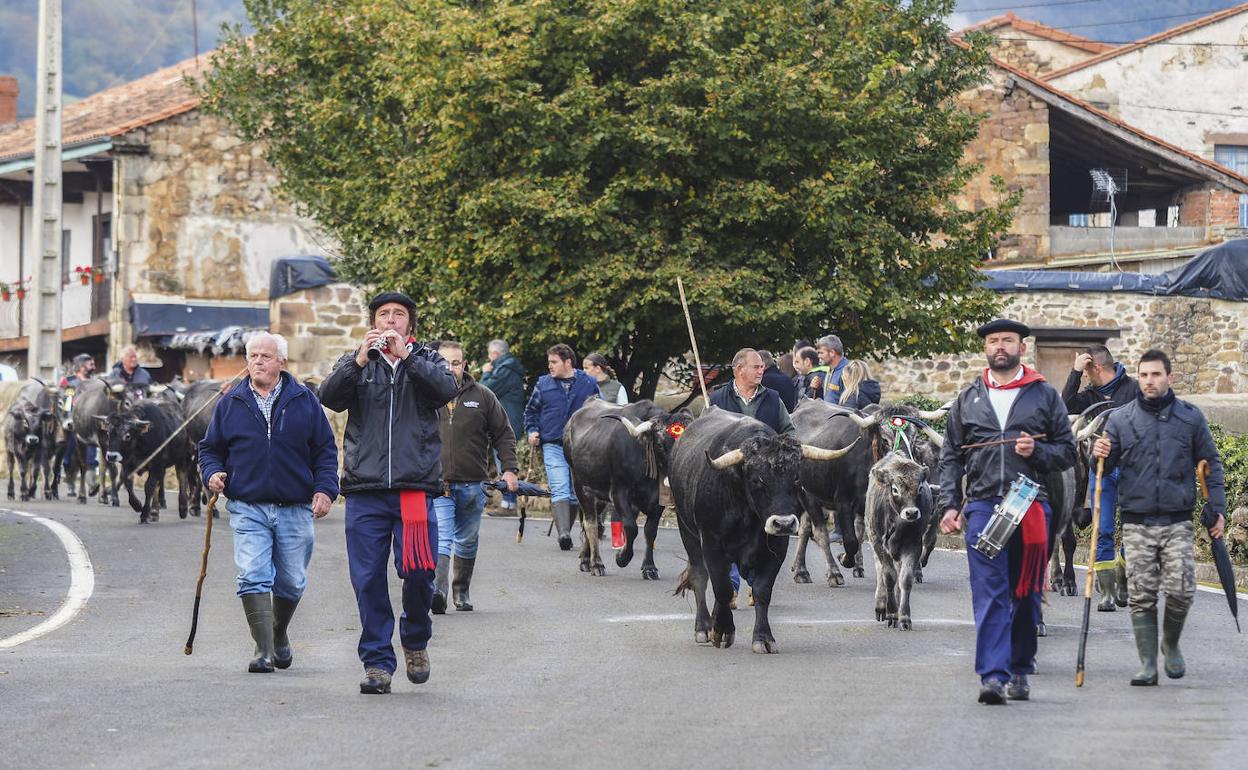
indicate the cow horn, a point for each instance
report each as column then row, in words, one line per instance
column 636, row 431
column 933, row 435
column 726, row 460
column 1093, row 427
column 863, row 423
column 819, row 454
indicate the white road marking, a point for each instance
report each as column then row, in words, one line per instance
column 81, row 582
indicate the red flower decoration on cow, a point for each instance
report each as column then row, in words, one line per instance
column 676, row 430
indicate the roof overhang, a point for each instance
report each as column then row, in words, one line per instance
column 83, row 149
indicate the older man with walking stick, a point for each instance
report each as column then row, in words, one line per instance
column 269, row 448
column 1005, row 430
column 1157, row 441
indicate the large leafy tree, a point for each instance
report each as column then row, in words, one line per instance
column 544, row 170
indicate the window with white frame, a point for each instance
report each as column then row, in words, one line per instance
column 1235, row 157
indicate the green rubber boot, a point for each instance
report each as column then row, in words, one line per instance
column 440, row 574
column 1171, row 628
column 1121, row 594
column 1106, row 590
column 1145, row 626
column 259, row 609
column 283, row 611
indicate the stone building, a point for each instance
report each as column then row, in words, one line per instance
column 1033, row 47
column 175, row 218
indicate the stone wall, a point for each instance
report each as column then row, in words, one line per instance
column 1013, row 143
column 320, row 325
column 1032, row 54
column 1206, row 339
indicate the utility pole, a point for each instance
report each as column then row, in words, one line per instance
column 44, row 354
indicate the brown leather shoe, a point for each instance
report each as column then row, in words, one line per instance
column 417, row 665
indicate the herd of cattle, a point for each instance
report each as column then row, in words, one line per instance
column 51, row 431
column 740, row 490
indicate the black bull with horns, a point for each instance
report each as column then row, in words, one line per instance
column 619, row 454
column 736, row 486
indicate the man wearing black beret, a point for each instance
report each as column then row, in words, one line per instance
column 391, row 389
column 1011, row 405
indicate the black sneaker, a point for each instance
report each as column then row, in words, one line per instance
column 1018, row 689
column 376, row 682
column 992, row 693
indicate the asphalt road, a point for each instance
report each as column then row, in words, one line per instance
column 556, row 669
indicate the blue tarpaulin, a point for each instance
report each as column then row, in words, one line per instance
column 1219, row 273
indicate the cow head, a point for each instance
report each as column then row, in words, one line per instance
column 26, row 424
column 767, row 467
column 123, row 432
column 898, row 484
column 658, row 435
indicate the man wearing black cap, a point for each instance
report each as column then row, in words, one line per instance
column 391, row 389
column 1010, row 404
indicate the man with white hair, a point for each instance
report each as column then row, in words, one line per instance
column 128, row 368
column 270, row 449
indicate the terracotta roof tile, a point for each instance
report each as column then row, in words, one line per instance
column 1146, row 41
column 1039, row 30
column 113, row 111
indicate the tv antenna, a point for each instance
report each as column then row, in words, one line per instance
column 1107, row 184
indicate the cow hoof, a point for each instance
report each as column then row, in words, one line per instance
column 116, row 503
column 847, row 560
column 801, row 577
column 1069, row 590
column 765, row 646
column 724, row 639
column 195, row 512
column 905, row 624
column 1042, row 629
column 597, row 570
column 82, row 500
column 584, row 566
column 835, row 580
column 701, row 637
column 891, row 621
column 154, row 516
column 858, row 572
column 918, row 576
column 565, row 542
column 623, row 558
column 649, row 573
column 143, row 519
column 12, row 496
column 880, row 614
column 181, row 514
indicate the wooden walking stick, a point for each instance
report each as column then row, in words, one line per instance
column 693, row 342
column 203, row 572
column 1087, row 591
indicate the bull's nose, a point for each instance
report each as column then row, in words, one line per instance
column 781, row 525
column 909, row 514
column 113, row 457
column 32, row 439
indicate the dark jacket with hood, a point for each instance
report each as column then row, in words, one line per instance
column 285, row 465
column 392, row 437
column 990, row 471
column 470, row 424
column 1121, row 390
column 506, row 381
column 1158, row 450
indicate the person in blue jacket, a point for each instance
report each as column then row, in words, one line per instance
column 555, row 397
column 270, row 450
column 832, row 355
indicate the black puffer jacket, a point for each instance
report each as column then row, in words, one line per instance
column 392, row 437
column 989, row 471
column 1158, row 454
column 1078, row 400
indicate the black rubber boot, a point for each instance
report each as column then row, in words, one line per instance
column 1120, row 584
column 463, row 579
column 1145, row 627
column 1171, row 629
column 562, row 511
column 438, row 605
column 1106, row 590
column 283, row 611
column 259, row 609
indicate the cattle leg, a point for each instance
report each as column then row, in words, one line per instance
column 80, row 459
column 800, row 573
column 890, row 594
column 764, row 581
column 183, row 500
column 591, row 524
column 859, row 527
column 9, row 455
column 694, row 578
column 115, row 481
column 723, row 627
column 882, row 565
column 151, row 492
column 25, row 481
column 141, row 508
column 627, row 512
column 648, row 569
column 194, row 482
column 819, row 530
column 909, row 565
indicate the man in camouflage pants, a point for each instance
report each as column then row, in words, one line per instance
column 1156, row 442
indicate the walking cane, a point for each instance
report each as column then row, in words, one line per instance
column 1087, row 592
column 203, row 572
column 524, row 504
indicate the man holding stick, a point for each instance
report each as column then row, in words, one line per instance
column 270, row 449
column 1019, row 424
column 1156, row 442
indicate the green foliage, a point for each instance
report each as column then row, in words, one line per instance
column 1233, row 447
column 544, row 171
column 925, row 404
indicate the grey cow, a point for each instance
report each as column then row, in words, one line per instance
column 896, row 525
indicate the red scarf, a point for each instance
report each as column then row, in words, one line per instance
column 414, row 511
column 1029, row 376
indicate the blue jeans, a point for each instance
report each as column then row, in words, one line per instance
column 374, row 530
column 71, row 446
column 459, row 518
column 558, row 473
column 1105, row 558
column 272, row 547
column 1005, row 627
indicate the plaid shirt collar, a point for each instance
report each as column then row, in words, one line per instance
column 266, row 402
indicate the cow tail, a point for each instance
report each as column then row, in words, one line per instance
column 683, row 583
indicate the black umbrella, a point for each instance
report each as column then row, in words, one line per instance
column 1221, row 559
column 525, row 488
